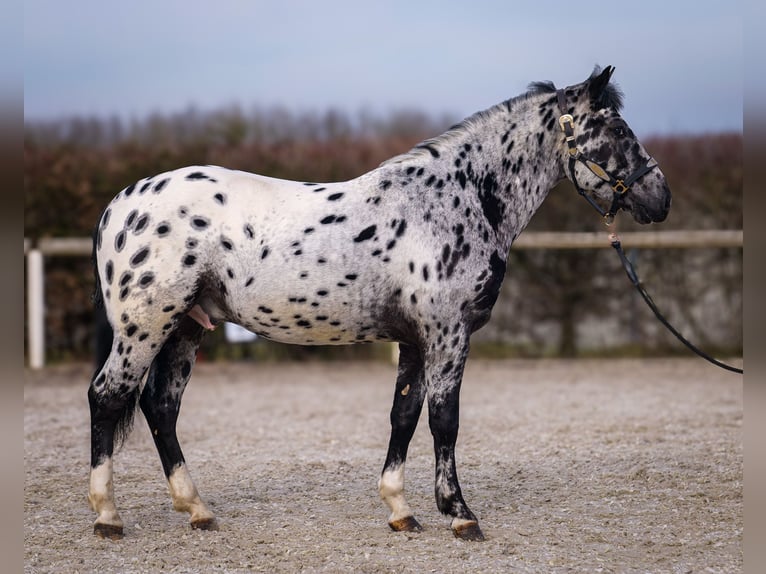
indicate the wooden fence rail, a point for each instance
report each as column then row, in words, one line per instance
column 36, row 251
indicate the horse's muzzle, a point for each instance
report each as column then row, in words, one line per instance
column 648, row 210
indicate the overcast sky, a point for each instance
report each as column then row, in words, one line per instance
column 679, row 63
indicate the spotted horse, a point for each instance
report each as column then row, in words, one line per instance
column 412, row 252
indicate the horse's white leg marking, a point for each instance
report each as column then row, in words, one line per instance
column 186, row 498
column 443, row 484
column 391, row 489
column 101, row 495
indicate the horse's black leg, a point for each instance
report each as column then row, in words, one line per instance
column 408, row 402
column 112, row 397
column 444, row 373
column 160, row 402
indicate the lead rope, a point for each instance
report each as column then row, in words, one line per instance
column 633, row 276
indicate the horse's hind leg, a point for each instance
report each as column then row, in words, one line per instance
column 160, row 402
column 408, row 402
column 112, row 397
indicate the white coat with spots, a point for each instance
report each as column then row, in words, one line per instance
column 414, row 251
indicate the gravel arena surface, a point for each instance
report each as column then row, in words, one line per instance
column 571, row 466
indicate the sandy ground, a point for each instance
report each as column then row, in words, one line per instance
column 584, row 466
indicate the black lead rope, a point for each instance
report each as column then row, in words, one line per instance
column 629, row 269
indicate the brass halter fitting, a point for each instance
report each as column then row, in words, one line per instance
column 566, row 121
column 620, row 187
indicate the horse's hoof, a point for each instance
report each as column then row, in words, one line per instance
column 468, row 530
column 406, row 524
column 111, row 531
column 204, row 524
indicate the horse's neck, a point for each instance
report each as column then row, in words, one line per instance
column 523, row 152
column 508, row 158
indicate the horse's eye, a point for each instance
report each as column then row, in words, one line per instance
column 619, row 131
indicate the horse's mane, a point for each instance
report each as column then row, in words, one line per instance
column 611, row 98
column 431, row 145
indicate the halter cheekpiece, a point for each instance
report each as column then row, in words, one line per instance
column 619, row 186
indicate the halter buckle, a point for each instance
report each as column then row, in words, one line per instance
column 620, row 187
column 566, row 119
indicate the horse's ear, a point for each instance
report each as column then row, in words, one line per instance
column 597, row 83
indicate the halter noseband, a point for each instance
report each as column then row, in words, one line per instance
column 619, row 186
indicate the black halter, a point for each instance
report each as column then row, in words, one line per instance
column 619, row 186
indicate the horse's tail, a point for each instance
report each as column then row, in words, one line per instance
column 104, row 336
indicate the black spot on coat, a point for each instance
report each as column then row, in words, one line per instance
column 160, row 185
column 146, row 279
column 487, row 296
column 141, row 224
column 491, row 204
column 162, row 229
column 139, row 257
column 131, row 218
column 199, row 222
column 119, row 241
column 365, row 234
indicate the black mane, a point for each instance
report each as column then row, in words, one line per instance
column 544, row 87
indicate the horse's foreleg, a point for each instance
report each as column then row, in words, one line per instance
column 160, row 403
column 444, row 373
column 408, row 402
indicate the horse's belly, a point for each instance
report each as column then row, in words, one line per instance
column 317, row 336
column 310, row 320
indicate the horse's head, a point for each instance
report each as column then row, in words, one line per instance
column 604, row 160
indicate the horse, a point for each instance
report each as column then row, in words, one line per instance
column 412, row 252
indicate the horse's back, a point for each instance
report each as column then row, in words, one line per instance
column 202, row 188
column 298, row 262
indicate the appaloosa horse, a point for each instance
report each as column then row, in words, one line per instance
column 413, row 251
